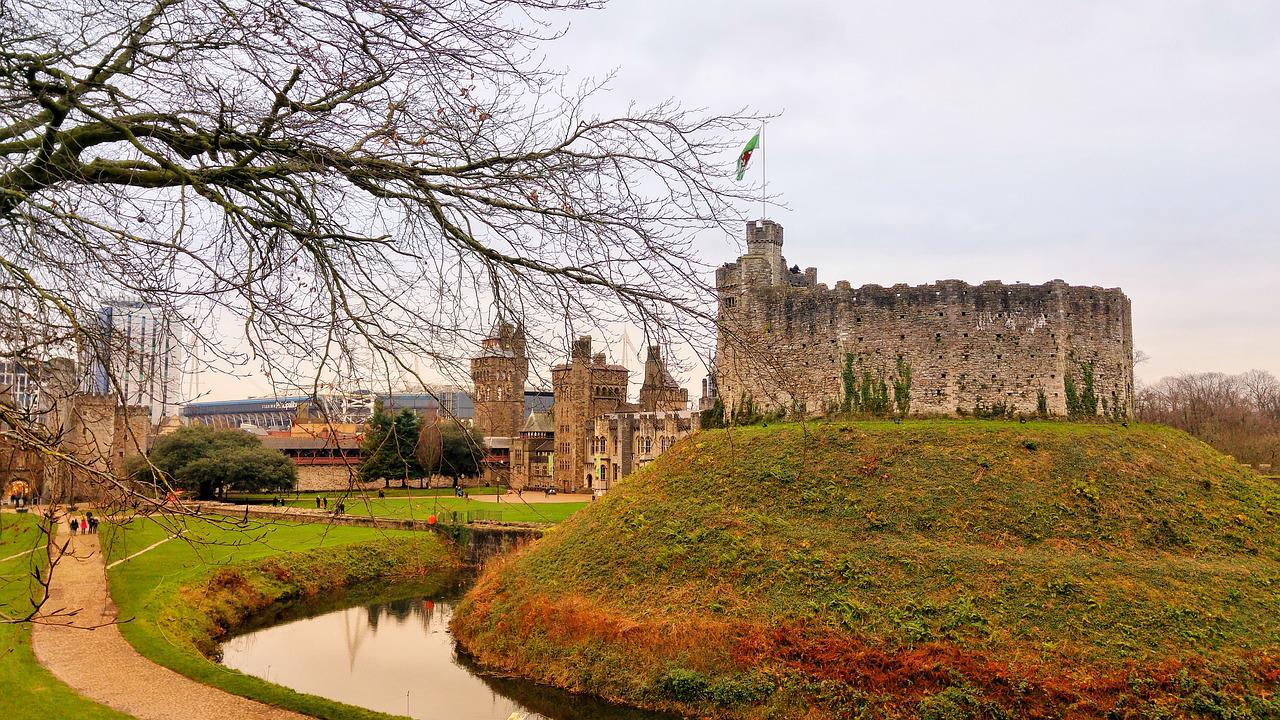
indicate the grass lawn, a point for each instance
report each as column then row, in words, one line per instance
column 393, row 491
column 173, row 606
column 28, row 691
column 421, row 507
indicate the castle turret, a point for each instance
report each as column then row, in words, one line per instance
column 499, row 375
column 660, row 391
column 763, row 264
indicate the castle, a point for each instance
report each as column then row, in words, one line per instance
column 592, row 436
column 788, row 343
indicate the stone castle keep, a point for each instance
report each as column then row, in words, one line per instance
column 788, row 343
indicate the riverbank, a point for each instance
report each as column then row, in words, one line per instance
column 184, row 596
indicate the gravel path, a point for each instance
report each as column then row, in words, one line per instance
column 101, row 665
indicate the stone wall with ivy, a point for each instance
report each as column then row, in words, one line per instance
column 789, row 344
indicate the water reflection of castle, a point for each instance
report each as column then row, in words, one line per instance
column 423, row 611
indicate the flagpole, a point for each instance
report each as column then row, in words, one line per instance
column 764, row 176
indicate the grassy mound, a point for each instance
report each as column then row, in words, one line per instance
column 935, row 569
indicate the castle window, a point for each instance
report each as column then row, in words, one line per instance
column 944, row 375
column 964, row 312
column 902, row 337
column 966, row 334
column 729, row 302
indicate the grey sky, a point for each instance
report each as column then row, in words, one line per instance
column 1131, row 144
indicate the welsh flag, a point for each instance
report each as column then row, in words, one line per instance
column 745, row 157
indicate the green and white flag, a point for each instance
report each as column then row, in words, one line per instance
column 745, row 157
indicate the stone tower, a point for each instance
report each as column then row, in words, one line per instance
column 660, row 391
column 585, row 388
column 499, row 374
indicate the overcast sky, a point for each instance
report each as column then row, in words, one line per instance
column 1130, row 144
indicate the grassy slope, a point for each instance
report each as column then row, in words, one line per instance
column 28, row 690
column 181, row 595
column 934, row 569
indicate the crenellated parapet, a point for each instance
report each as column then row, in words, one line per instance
column 945, row 348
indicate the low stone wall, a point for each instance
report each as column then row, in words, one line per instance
column 313, row 478
column 332, row 478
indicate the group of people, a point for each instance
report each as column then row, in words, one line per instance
column 323, row 503
column 84, row 526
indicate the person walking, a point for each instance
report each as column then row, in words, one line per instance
column 317, row 502
column 75, row 525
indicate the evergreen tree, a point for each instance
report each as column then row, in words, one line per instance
column 389, row 448
column 460, row 451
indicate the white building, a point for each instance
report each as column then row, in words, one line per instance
column 137, row 357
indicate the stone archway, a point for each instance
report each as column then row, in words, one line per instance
column 17, row 489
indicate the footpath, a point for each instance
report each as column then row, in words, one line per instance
column 80, row 644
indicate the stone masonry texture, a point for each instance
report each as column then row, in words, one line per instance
column 789, row 343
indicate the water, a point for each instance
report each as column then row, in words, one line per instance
column 398, row 658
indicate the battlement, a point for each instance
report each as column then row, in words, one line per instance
column 788, row 342
column 761, row 233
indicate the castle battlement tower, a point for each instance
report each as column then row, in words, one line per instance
column 788, row 343
column 499, row 374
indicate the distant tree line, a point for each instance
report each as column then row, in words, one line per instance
column 1237, row 414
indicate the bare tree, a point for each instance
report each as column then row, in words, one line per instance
column 1234, row 413
column 363, row 187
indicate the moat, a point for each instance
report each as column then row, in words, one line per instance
column 398, row 657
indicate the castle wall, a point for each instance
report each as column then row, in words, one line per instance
column 625, row 442
column 784, row 342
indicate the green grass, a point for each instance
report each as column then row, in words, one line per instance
column 511, row 509
column 179, row 596
column 28, row 690
column 898, row 569
column 394, row 491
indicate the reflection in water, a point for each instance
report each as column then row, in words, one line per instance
column 399, row 658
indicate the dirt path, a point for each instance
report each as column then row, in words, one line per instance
column 101, row 665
